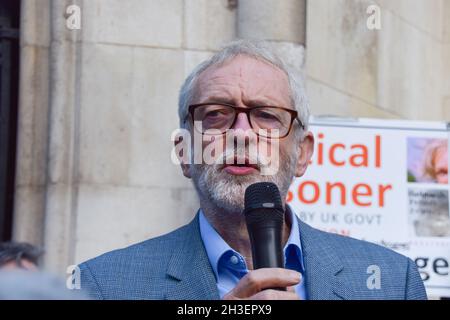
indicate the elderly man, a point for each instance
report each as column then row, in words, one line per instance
column 246, row 88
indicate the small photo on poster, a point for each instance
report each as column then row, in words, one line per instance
column 429, row 212
column 427, row 160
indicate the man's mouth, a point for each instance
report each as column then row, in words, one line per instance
column 241, row 169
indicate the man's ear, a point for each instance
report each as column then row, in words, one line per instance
column 179, row 152
column 306, row 152
column 186, row 170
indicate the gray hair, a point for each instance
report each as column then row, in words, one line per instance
column 17, row 251
column 259, row 50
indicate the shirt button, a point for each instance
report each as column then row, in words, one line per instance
column 234, row 260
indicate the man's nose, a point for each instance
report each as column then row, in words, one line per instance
column 243, row 132
column 242, row 122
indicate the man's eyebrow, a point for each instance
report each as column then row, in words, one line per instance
column 226, row 100
column 249, row 103
column 260, row 102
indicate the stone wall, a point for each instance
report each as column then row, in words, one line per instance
column 399, row 71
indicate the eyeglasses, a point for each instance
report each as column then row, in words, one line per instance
column 266, row 121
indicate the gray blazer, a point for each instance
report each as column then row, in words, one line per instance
column 175, row 266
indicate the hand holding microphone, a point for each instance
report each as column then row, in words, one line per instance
column 264, row 215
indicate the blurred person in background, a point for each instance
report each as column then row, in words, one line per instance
column 15, row 255
column 18, row 283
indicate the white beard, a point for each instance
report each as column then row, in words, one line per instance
column 227, row 191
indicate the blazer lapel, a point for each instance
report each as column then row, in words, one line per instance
column 189, row 272
column 322, row 265
column 190, row 276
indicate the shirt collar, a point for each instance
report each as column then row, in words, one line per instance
column 293, row 248
column 214, row 244
column 216, row 247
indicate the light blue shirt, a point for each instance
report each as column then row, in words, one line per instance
column 229, row 266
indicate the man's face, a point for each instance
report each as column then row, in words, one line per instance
column 246, row 82
column 441, row 165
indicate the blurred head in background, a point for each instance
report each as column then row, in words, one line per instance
column 14, row 255
column 18, row 283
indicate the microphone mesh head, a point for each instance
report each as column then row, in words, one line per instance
column 260, row 196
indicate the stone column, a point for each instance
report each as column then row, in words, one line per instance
column 32, row 133
column 272, row 20
column 47, row 184
column 63, row 142
column 281, row 22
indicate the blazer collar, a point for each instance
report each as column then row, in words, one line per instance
column 191, row 276
column 322, row 265
column 189, row 271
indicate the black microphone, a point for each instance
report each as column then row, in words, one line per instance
column 264, row 215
